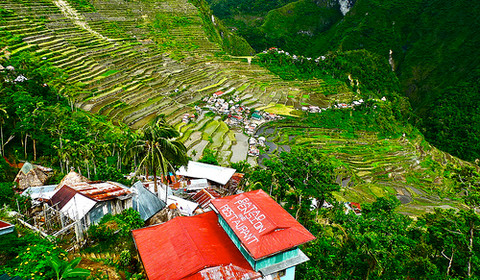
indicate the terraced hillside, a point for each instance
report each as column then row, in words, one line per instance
column 133, row 60
column 371, row 167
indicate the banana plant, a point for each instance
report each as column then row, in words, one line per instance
column 68, row 270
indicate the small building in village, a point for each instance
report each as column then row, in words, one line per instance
column 217, row 176
column 265, row 233
column 145, row 201
column 87, row 203
column 32, row 175
column 193, row 248
column 40, row 194
column 6, row 228
column 247, row 236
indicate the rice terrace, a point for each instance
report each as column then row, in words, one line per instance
column 134, row 60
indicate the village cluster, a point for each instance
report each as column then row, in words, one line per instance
column 316, row 109
column 238, row 116
column 200, row 212
column 293, row 56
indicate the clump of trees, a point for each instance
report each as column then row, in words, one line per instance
column 380, row 243
column 38, row 122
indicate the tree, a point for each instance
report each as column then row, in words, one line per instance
column 300, row 176
column 209, row 157
column 158, row 149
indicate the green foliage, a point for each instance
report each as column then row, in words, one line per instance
column 296, row 178
column 218, row 33
column 453, row 126
column 294, row 26
column 371, row 70
column 7, row 195
column 223, row 8
column 28, row 256
column 67, row 270
column 54, row 133
column 107, row 172
column 161, row 27
column 125, row 258
column 432, row 57
column 241, row 166
column 383, row 244
column 158, row 148
column 381, row 117
column 7, row 173
column 209, row 156
column 83, row 5
column 111, row 227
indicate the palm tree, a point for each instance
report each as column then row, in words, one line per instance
column 158, row 149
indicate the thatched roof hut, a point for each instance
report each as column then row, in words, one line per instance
column 71, row 179
column 32, row 176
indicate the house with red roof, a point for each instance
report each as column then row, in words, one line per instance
column 191, row 248
column 247, row 236
column 265, row 233
column 6, row 228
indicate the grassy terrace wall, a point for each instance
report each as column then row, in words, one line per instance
column 133, row 60
column 370, row 166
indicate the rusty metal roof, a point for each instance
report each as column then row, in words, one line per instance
column 97, row 191
column 5, row 225
column 101, row 191
column 205, row 196
column 261, row 224
column 62, row 196
column 185, row 246
column 225, row 272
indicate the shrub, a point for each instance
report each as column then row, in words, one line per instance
column 112, row 226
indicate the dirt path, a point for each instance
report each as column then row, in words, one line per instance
column 78, row 19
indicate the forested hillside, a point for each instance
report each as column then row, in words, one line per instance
column 431, row 46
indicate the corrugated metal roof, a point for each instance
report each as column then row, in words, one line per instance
column 185, row 246
column 101, row 191
column 211, row 172
column 261, row 224
column 6, row 228
column 299, row 259
column 40, row 192
column 225, row 272
column 186, row 207
column 145, row 202
column 205, row 196
column 62, row 196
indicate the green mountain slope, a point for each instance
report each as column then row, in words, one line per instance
column 133, row 60
column 433, row 52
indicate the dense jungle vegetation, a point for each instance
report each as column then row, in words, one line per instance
column 433, row 45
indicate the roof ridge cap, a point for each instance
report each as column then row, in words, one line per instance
column 275, row 224
column 194, row 244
